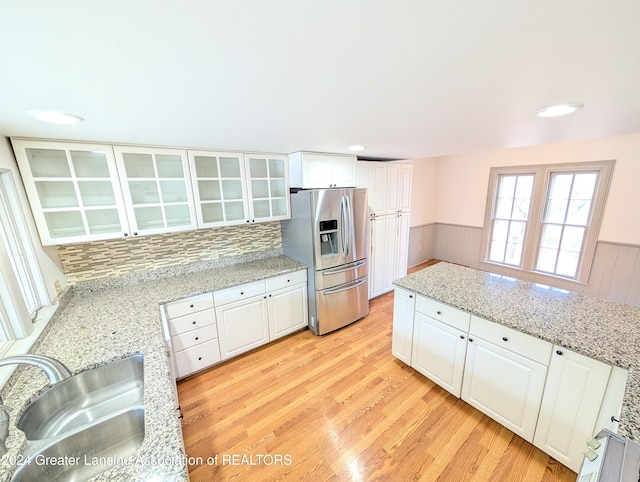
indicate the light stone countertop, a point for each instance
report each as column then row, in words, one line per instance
column 601, row 329
column 106, row 321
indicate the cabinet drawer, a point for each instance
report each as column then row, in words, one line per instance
column 186, row 323
column 195, row 337
column 237, row 293
column 447, row 314
column 189, row 305
column 512, row 340
column 196, row 358
column 285, row 280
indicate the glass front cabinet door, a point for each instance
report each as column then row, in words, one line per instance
column 268, row 186
column 157, row 189
column 219, row 188
column 73, row 190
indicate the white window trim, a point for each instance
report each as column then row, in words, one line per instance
column 533, row 231
column 16, row 320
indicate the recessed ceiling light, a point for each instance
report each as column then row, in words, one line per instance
column 558, row 110
column 357, row 147
column 55, row 117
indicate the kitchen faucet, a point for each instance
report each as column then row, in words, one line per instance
column 55, row 370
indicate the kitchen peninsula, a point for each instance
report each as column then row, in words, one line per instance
column 536, row 324
column 111, row 319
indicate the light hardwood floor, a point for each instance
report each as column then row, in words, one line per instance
column 341, row 407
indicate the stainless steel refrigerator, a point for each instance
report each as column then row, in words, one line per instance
column 328, row 231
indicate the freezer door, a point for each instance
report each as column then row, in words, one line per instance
column 330, row 277
column 341, row 305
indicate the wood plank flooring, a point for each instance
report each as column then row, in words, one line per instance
column 341, row 407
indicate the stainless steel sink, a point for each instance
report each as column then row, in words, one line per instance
column 96, row 414
column 83, row 398
column 86, row 453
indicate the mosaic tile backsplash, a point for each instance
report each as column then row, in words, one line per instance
column 119, row 257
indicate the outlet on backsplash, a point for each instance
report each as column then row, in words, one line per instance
column 213, row 254
column 58, row 287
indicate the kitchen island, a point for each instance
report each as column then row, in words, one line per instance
column 102, row 321
column 597, row 328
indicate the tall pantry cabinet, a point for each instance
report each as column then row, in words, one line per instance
column 389, row 194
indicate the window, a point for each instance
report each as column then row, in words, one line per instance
column 22, row 292
column 546, row 218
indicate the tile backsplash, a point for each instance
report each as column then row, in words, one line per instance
column 104, row 259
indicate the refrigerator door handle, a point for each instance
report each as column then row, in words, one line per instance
column 351, row 233
column 345, row 288
column 343, row 226
column 359, row 264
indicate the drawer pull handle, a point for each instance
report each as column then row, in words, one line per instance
column 559, row 352
column 193, row 322
column 439, row 312
column 197, row 338
column 504, row 338
column 288, row 281
column 190, row 306
column 242, row 292
column 410, row 296
column 614, row 419
column 199, row 358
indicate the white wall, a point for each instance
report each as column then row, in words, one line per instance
column 47, row 257
column 461, row 183
column 424, row 191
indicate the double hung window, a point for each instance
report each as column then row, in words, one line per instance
column 546, row 218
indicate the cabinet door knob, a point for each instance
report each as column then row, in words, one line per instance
column 126, row 234
column 242, row 292
column 410, row 296
column 470, row 339
column 504, row 338
column 190, row 306
column 199, row 358
column 197, row 338
column 462, row 337
column 438, row 312
column 614, row 419
column 193, row 322
column 559, row 352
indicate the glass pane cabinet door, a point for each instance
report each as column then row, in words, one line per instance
column 219, row 188
column 157, row 189
column 73, row 189
column 268, row 187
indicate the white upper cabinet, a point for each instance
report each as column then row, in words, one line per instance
column 267, row 187
column 157, row 189
column 73, row 190
column 389, row 185
column 88, row 192
column 318, row 171
column 219, row 187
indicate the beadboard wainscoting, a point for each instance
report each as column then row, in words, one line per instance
column 104, row 259
column 615, row 273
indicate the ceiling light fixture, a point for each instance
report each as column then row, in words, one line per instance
column 357, row 147
column 558, row 110
column 55, row 117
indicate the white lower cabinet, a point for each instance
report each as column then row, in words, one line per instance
column 574, row 392
column 287, row 309
column 242, row 326
column 213, row 327
column 439, row 352
column 196, row 358
column 503, row 385
column 404, row 303
column 550, row 396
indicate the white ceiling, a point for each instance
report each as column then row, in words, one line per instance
column 408, row 79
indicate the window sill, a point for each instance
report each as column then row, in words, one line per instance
column 533, row 276
column 22, row 346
